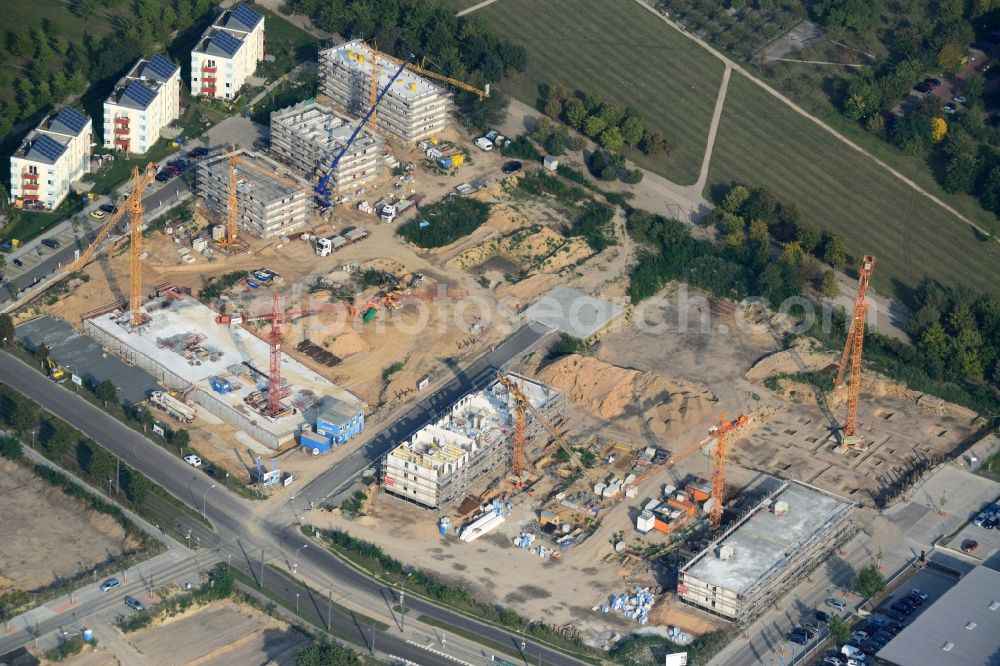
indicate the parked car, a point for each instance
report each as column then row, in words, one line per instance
column 484, row 144
column 511, row 167
column 961, row 99
column 810, row 628
column 859, row 636
column 833, row 602
column 198, row 152
column 969, row 545
column 134, row 603
column 832, row 660
column 915, row 599
column 923, row 87
column 894, row 628
column 896, row 615
column 193, row 460
column 798, row 638
column 110, row 209
column 933, row 83
column 18, row 262
column 97, row 214
column 950, row 109
column 109, row 584
column 51, row 243
column 164, row 176
column 822, row 616
column 917, row 592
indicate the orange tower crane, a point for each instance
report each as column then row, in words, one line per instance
column 461, row 85
column 852, row 350
column 373, row 92
column 719, row 469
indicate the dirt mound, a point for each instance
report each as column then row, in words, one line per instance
column 534, row 246
column 644, row 401
column 347, row 343
column 803, row 356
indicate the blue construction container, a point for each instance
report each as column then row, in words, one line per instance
column 220, row 385
column 314, row 442
column 340, row 421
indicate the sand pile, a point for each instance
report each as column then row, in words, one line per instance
column 347, row 343
column 646, row 402
column 803, row 356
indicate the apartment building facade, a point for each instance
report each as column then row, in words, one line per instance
column 51, row 157
column 267, row 206
column 228, row 53
column 309, row 136
column 144, row 101
column 412, row 109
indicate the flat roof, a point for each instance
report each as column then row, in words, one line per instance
column 763, row 541
column 256, row 183
column 325, row 129
column 961, row 627
column 357, row 56
column 230, row 350
column 572, row 312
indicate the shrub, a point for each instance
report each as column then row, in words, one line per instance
column 523, row 148
column 450, row 220
column 632, row 176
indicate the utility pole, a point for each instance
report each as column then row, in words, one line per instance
column 329, row 609
column 373, row 637
column 262, row 567
column 118, row 475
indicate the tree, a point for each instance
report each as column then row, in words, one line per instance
column 808, row 236
column 593, row 126
column 834, row 249
column 180, row 438
column 961, row 173
column 106, row 392
column 792, row 254
column 735, row 198
column 480, row 114
column 839, row 629
column 858, row 15
column 574, row 112
column 24, row 415
column 652, row 142
column 949, row 58
column 42, row 353
column 828, row 285
column 56, row 437
column 324, row 653
column 868, row 582
column 876, row 124
column 990, row 197
column 553, row 108
column 939, row 128
column 934, row 343
column 861, row 98
column 611, row 139
column 975, row 85
column 137, row 486
column 733, row 230
column 7, row 332
column 555, row 143
column 758, row 231
column 632, row 130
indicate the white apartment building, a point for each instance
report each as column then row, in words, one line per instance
column 51, row 157
column 144, row 101
column 228, row 53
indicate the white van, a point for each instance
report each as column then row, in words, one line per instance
column 484, row 144
column 852, row 652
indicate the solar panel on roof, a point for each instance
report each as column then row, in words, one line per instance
column 161, row 66
column 226, row 42
column 72, row 119
column 48, row 147
column 246, row 16
column 139, row 94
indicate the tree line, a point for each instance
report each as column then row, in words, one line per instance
column 961, row 148
column 44, row 65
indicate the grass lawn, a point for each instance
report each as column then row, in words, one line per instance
column 288, row 43
column 114, row 174
column 619, row 50
column 28, row 224
column 762, row 141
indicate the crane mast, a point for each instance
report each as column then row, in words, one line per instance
column 852, row 351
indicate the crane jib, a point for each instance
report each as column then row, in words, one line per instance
column 321, row 186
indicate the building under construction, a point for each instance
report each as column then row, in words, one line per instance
column 268, row 206
column 223, row 368
column 412, row 109
column 309, row 136
column 766, row 552
column 440, row 463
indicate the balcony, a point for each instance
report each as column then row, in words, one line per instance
column 122, row 131
column 208, row 90
column 122, row 144
column 29, row 177
column 121, row 121
column 209, row 70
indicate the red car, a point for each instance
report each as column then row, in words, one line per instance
column 969, row 545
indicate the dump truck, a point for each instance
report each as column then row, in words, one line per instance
column 171, row 405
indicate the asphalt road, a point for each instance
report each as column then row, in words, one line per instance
column 477, row 375
column 239, row 535
column 54, row 259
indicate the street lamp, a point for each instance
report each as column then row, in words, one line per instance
column 295, row 560
column 204, row 499
column 296, row 603
column 402, row 603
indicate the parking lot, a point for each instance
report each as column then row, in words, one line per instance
column 988, row 541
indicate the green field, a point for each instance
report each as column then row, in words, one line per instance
column 761, row 141
column 624, row 53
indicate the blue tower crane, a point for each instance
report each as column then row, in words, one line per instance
column 322, row 192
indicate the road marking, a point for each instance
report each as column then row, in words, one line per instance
column 438, row 653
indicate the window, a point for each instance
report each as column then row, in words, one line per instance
column 229, row 85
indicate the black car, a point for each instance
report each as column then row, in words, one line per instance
column 18, row 262
column 164, row 176
column 894, row 628
column 198, row 152
column 895, row 615
column 511, row 167
column 109, row 208
column 922, row 87
column 901, row 607
column 51, row 243
column 797, row 637
column 933, row 83
column 914, row 599
column 182, row 164
column 822, row 616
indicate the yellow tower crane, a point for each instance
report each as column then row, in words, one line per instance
column 132, row 204
column 417, row 69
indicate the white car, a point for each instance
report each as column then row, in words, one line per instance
column 484, row 144
column 193, row 460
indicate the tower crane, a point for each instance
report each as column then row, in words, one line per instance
column 322, row 193
column 722, row 433
column 132, row 204
column 852, row 351
column 522, row 405
column 417, row 69
column 237, row 162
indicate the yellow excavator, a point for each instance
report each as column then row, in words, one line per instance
column 56, row 371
